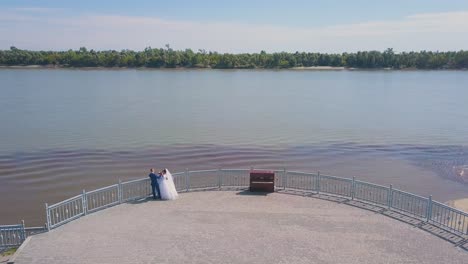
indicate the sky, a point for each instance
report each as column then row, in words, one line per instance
column 236, row 26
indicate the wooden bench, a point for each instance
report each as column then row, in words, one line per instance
column 262, row 181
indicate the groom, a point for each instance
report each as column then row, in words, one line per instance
column 154, row 183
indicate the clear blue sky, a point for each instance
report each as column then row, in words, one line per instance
column 293, row 14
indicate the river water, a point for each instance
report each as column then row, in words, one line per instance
column 67, row 130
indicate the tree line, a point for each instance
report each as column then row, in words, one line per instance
column 169, row 58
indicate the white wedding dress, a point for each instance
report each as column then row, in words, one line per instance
column 167, row 187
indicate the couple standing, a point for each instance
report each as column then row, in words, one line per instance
column 163, row 184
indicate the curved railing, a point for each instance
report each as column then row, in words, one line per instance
column 423, row 208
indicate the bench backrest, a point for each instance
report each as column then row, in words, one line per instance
column 259, row 176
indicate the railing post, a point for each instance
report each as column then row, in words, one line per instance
column 318, row 182
column 429, row 209
column 187, row 180
column 84, row 202
column 219, row 178
column 285, row 180
column 353, row 188
column 251, row 169
column 23, row 231
column 48, row 217
column 390, row 197
column 119, row 191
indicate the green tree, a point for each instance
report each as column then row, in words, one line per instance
column 170, row 58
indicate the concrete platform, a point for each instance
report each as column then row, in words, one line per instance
column 235, row 227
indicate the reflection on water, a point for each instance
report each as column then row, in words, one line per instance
column 30, row 178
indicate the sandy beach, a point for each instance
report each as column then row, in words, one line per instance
column 460, row 204
column 321, row 68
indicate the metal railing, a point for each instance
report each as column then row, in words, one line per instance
column 65, row 211
column 14, row 235
column 202, row 179
column 410, row 203
column 102, row 198
column 370, row 192
column 180, row 180
column 134, row 190
column 234, row 178
column 424, row 208
column 301, row 181
column 448, row 217
column 335, row 185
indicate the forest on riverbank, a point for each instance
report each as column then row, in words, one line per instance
column 170, row 58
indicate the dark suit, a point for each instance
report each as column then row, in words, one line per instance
column 154, row 184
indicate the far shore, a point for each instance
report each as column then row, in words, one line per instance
column 318, row 68
column 313, row 68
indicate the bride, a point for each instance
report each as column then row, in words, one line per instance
column 166, row 186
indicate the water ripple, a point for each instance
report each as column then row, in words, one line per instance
column 54, row 174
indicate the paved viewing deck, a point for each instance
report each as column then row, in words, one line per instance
column 238, row 227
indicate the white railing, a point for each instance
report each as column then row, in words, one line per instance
column 410, row 203
column 14, row 235
column 335, row 185
column 448, row 217
column 423, row 208
column 370, row 192
column 102, row 198
column 134, row 190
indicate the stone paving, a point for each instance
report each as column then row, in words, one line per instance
column 236, row 227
